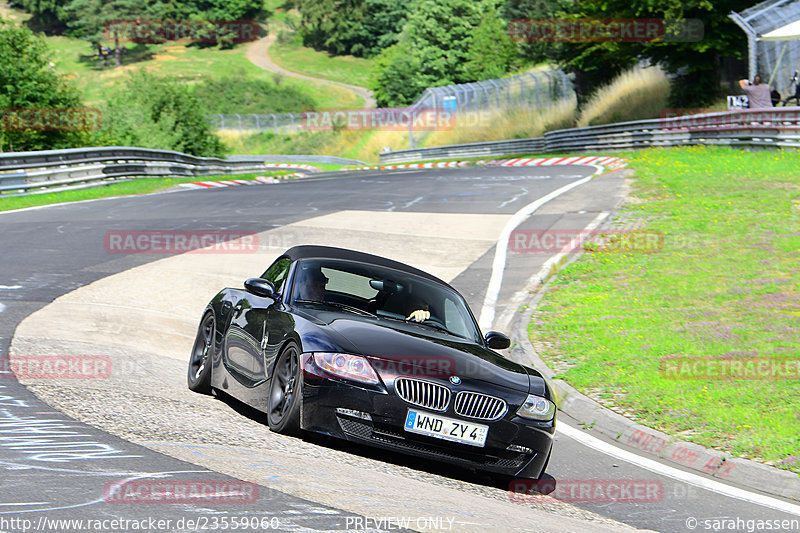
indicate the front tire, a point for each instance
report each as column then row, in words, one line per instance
column 285, row 393
column 199, row 374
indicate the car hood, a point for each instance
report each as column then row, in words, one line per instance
column 407, row 348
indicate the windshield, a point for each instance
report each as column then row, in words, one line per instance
column 383, row 292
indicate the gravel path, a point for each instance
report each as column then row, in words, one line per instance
column 258, row 54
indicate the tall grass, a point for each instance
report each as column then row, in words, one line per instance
column 637, row 94
column 515, row 123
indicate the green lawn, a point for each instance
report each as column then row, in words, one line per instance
column 292, row 55
column 175, row 60
column 125, row 188
column 724, row 287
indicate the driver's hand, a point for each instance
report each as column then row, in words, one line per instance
column 419, row 315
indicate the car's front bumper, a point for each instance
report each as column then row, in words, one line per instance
column 322, row 396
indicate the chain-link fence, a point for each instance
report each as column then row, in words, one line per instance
column 248, row 122
column 775, row 61
column 530, row 90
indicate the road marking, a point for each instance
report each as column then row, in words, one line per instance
column 692, row 479
column 412, row 202
column 22, row 503
column 10, row 287
column 501, row 251
column 541, row 277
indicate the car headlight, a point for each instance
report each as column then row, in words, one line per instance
column 346, row 366
column 537, row 408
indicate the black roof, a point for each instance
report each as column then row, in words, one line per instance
column 307, row 251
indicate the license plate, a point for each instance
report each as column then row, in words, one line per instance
column 445, row 428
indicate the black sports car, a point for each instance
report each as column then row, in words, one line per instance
column 370, row 350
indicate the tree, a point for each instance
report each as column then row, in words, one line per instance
column 433, row 50
column 694, row 63
column 357, row 27
column 27, row 83
column 152, row 112
column 492, row 51
column 47, row 14
column 390, row 81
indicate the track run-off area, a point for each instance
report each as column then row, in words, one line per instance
column 67, row 289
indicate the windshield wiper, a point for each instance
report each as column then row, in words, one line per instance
column 346, row 307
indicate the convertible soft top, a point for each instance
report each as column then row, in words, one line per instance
column 307, row 251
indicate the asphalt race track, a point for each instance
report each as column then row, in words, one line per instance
column 65, row 291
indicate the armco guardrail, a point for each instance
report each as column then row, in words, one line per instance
column 776, row 127
column 42, row 171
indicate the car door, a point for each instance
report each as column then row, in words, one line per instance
column 274, row 323
column 247, row 334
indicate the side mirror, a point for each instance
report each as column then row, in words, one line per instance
column 497, row 341
column 260, row 287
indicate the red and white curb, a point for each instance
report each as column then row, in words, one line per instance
column 604, row 161
column 447, row 164
column 293, row 165
column 233, row 183
column 609, row 162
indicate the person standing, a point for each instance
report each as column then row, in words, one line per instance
column 757, row 92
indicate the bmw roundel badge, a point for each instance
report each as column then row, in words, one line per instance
column 455, row 380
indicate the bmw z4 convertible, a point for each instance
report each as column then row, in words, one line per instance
column 374, row 351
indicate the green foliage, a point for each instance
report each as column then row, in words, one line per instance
column 26, row 82
column 435, row 48
column 47, row 14
column 237, row 93
column 86, row 19
column 352, row 27
column 153, row 112
column 492, row 51
column 697, row 61
column 392, row 83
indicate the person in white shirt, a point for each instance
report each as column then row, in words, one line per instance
column 758, row 93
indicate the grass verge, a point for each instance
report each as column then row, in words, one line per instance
column 124, row 188
column 724, row 287
column 290, row 53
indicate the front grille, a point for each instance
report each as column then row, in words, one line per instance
column 480, row 406
column 423, row 393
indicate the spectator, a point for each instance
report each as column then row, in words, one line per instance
column 758, row 93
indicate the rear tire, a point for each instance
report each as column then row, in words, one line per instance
column 285, row 393
column 199, row 374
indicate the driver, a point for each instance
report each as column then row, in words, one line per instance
column 313, row 284
column 417, row 309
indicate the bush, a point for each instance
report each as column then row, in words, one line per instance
column 239, row 94
column 636, row 94
column 153, row 112
column 28, row 83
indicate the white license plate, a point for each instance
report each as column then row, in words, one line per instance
column 445, row 428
